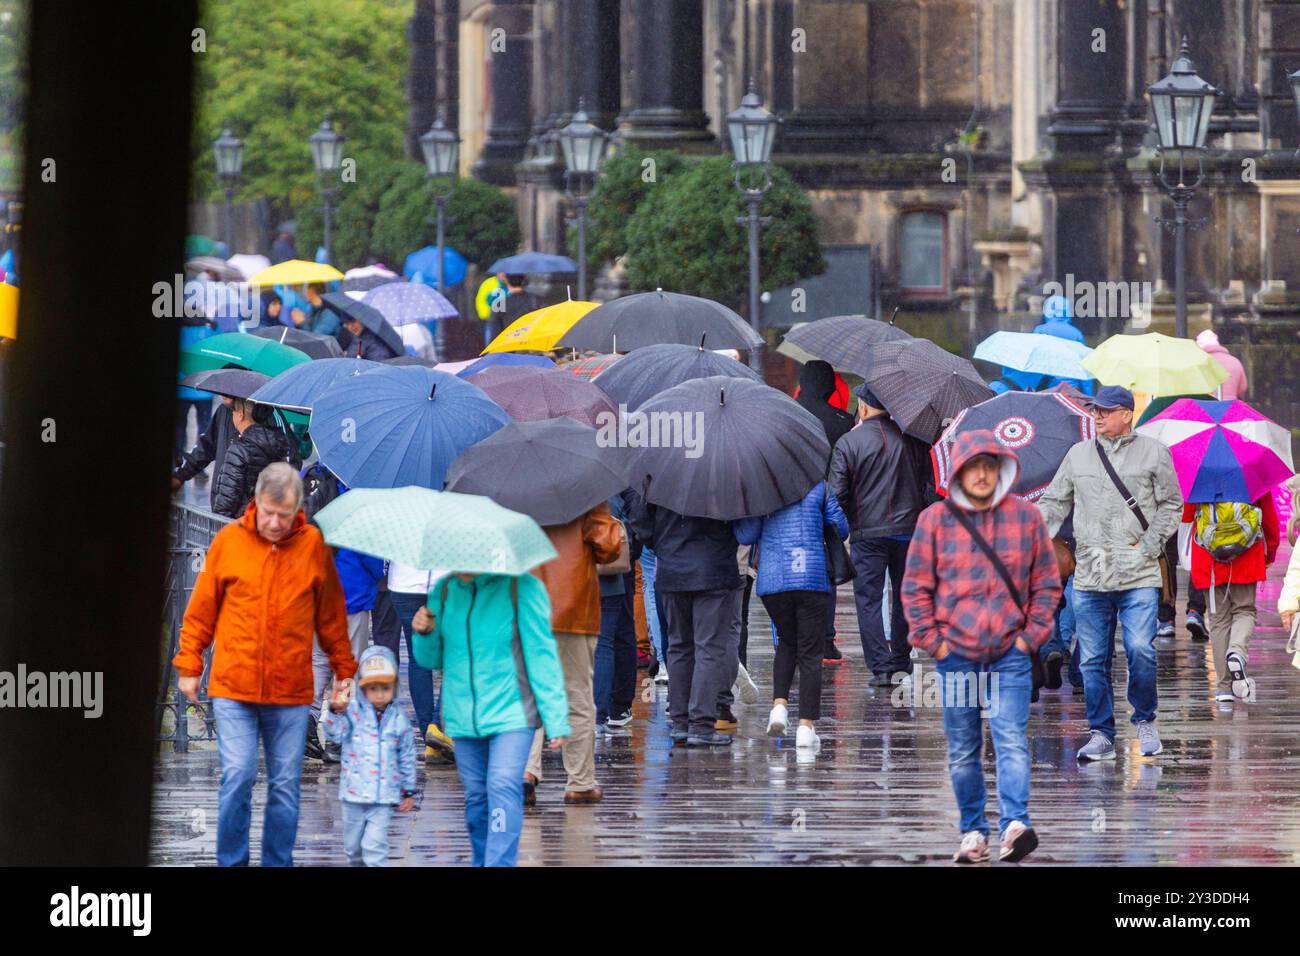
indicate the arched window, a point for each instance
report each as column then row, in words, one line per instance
column 923, row 253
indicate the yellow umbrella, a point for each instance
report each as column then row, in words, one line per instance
column 540, row 330
column 8, row 311
column 296, row 272
column 1156, row 364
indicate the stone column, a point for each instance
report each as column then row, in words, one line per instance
column 510, row 62
column 1091, row 75
column 663, row 95
column 593, row 54
column 1279, row 48
column 432, row 81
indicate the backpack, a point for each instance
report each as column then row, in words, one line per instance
column 1227, row 529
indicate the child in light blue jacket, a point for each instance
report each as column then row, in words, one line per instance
column 378, row 744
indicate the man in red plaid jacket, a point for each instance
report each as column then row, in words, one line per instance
column 961, row 611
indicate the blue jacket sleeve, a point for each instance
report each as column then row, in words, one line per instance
column 748, row 530
column 541, row 657
column 833, row 514
column 338, row 727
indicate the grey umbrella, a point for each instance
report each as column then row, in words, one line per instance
column 553, row 471
column 645, row 373
column 920, row 385
column 726, row 448
column 531, row 394
column 846, row 341
column 653, row 318
column 232, row 382
column 313, row 343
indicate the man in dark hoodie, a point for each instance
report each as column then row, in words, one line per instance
column 256, row 446
column 816, row 386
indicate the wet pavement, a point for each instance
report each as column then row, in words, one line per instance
column 1225, row 791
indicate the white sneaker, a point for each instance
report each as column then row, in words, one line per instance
column 777, row 721
column 661, row 676
column 805, row 736
column 744, row 689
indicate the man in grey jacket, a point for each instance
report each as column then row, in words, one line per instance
column 1118, row 572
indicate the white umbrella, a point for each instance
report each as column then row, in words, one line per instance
column 248, row 264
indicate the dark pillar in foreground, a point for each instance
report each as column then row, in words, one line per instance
column 663, row 95
column 82, row 516
column 510, row 60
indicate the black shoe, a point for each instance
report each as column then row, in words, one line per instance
column 333, row 753
column 881, row 680
column 714, row 739
column 831, row 655
column 726, row 716
column 1052, row 664
column 313, row 748
column 1033, row 696
column 1196, row 626
column 530, row 793
column 679, row 736
column 653, row 669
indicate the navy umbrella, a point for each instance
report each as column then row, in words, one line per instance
column 553, row 471
column 399, row 426
column 725, row 448
column 298, row 388
column 313, row 343
column 527, row 262
column 232, row 382
column 645, row 373
column 534, row 394
column 653, row 318
column 368, row 316
column 920, row 385
column 846, row 341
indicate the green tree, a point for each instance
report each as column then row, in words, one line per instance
column 13, row 89
column 271, row 71
column 684, row 237
column 354, row 216
column 626, row 179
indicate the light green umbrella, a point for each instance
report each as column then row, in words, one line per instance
column 438, row 530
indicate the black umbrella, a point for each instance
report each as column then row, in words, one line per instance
column 313, row 343
column 725, row 448
column 530, row 394
column 369, row 317
column 552, row 471
column 231, row 382
column 846, row 341
column 409, row 360
column 365, row 283
column 920, row 385
column 645, row 373
column 653, row 318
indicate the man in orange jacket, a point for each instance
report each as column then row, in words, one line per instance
column 268, row 584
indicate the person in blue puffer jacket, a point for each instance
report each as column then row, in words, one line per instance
column 792, row 583
column 378, row 744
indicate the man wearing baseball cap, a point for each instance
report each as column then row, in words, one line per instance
column 1126, row 503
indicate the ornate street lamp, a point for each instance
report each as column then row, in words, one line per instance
column 583, row 146
column 229, row 153
column 327, row 157
column 441, row 148
column 752, row 130
column 1182, row 103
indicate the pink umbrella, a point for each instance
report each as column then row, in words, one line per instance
column 1223, row 450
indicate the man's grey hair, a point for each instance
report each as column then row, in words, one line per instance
column 279, row 482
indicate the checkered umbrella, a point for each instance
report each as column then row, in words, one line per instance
column 588, row 368
column 920, row 385
column 846, row 341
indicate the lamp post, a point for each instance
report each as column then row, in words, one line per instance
column 441, row 148
column 584, row 148
column 752, row 130
column 327, row 157
column 1182, row 103
column 229, row 153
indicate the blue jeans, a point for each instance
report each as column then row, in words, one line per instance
column 492, row 773
column 282, row 728
column 365, row 833
column 614, row 676
column 1008, row 684
column 419, row 680
column 1095, row 614
column 1063, row 635
column 648, row 564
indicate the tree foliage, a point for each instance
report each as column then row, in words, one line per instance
column 626, row 180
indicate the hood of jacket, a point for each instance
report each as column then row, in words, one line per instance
column 378, row 650
column 817, row 381
column 982, row 442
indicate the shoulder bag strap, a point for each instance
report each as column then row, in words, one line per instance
column 989, row 553
column 1120, row 486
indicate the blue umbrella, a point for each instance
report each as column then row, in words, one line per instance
column 309, row 381
column 527, row 262
column 500, row 359
column 400, row 425
column 425, row 261
column 1035, row 354
column 409, row 303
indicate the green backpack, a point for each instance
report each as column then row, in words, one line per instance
column 1227, row 529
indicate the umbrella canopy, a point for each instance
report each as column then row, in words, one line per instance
column 407, row 303
column 553, row 471
column 298, row 388
column 499, row 360
column 1223, row 450
column 8, row 311
column 221, row 270
column 1040, row 427
column 591, row 366
column 526, row 262
column 400, row 426
column 653, row 318
column 1156, row 364
column 435, row 529
column 367, row 272
column 316, row 346
column 541, row 329
column 369, row 317
column 363, row 284
column 920, row 385
column 244, row 351
column 645, row 373
column 409, row 360
column 846, row 341
column 534, row 394
column 196, row 245
column 422, row 265
column 1035, row 354
column 296, row 272
column 248, row 264
column 725, row 448
column 233, row 382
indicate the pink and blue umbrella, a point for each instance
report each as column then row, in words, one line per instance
column 1223, row 450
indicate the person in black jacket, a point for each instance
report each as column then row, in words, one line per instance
column 816, row 386
column 256, row 446
column 697, row 583
column 212, row 446
column 880, row 477
column 366, row 344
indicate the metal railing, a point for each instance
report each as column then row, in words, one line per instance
column 191, row 532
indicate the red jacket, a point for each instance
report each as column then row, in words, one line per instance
column 1249, row 568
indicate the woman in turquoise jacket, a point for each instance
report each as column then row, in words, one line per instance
column 490, row 635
